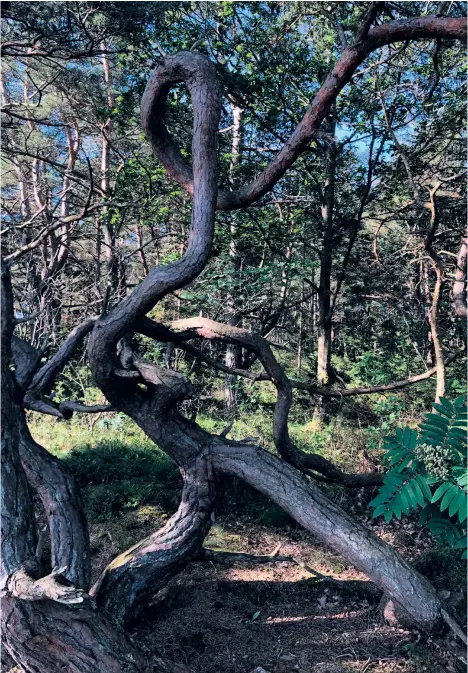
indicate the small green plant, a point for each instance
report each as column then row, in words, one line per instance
column 427, row 472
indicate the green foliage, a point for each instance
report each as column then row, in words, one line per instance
column 427, row 473
column 116, row 477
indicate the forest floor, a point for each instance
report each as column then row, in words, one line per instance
column 273, row 617
column 244, row 617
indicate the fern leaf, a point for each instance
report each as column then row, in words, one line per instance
column 463, row 509
column 461, row 475
column 446, row 405
column 435, row 431
column 448, row 413
column 418, row 492
column 405, row 503
column 443, row 529
column 457, row 502
column 457, row 433
column 460, row 401
column 397, row 505
column 435, row 421
column 426, row 513
column 422, row 481
column 404, row 463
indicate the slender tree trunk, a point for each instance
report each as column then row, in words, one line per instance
column 459, row 285
column 141, row 251
column 324, row 328
column 326, row 520
column 233, row 353
column 426, row 294
column 105, row 224
column 433, row 318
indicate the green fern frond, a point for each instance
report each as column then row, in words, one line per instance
column 399, row 494
column 444, row 530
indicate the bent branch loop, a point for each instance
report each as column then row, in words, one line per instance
column 211, row 330
column 182, row 330
column 199, row 75
column 167, row 151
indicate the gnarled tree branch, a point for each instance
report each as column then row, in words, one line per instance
column 167, row 151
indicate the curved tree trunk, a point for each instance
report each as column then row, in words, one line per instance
column 286, row 486
column 150, row 394
column 131, row 579
column 63, row 504
column 47, row 626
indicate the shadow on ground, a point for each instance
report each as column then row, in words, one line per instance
column 235, row 620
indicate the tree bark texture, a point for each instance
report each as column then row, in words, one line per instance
column 47, row 624
column 459, row 286
column 153, row 407
column 140, row 572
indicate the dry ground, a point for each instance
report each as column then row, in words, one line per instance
column 274, row 617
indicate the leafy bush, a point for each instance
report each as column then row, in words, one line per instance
column 111, row 460
column 428, row 473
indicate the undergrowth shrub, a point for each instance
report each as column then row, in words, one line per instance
column 427, row 473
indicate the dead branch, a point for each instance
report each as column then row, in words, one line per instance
column 23, row 586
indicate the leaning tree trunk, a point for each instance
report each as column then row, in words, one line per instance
column 50, row 626
column 284, row 484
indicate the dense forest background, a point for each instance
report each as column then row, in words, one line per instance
column 352, row 266
column 333, row 266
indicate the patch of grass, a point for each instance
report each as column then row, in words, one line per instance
column 116, row 477
column 220, row 538
column 119, row 469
